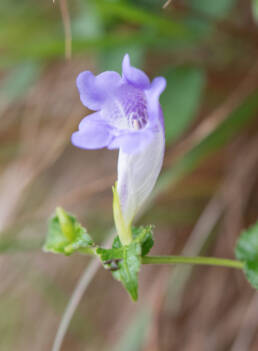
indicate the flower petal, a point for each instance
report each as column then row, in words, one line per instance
column 131, row 142
column 92, row 135
column 158, row 85
column 137, row 175
column 134, row 75
column 93, row 117
column 95, row 90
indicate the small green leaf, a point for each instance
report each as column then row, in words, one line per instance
column 129, row 268
column 247, row 244
column 125, row 261
column 247, row 251
column 66, row 235
column 144, row 235
column 251, row 272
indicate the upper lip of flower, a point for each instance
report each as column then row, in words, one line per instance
column 127, row 109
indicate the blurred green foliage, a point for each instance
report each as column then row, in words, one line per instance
column 32, row 34
column 18, row 81
column 217, row 9
column 181, row 99
column 210, row 143
column 255, row 9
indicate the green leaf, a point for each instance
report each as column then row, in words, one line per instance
column 144, row 235
column 247, row 244
column 125, row 261
column 251, row 272
column 66, row 235
column 129, row 268
column 247, row 251
column 181, row 99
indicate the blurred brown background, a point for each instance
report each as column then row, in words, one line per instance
column 207, row 192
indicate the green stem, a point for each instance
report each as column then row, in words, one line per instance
column 91, row 251
column 210, row 261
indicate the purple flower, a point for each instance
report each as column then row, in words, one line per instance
column 128, row 117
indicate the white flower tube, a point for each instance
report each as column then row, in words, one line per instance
column 137, row 175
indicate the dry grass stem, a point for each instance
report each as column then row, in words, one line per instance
column 67, row 28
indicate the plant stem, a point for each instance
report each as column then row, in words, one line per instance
column 210, row 261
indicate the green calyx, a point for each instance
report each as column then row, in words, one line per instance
column 124, row 231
